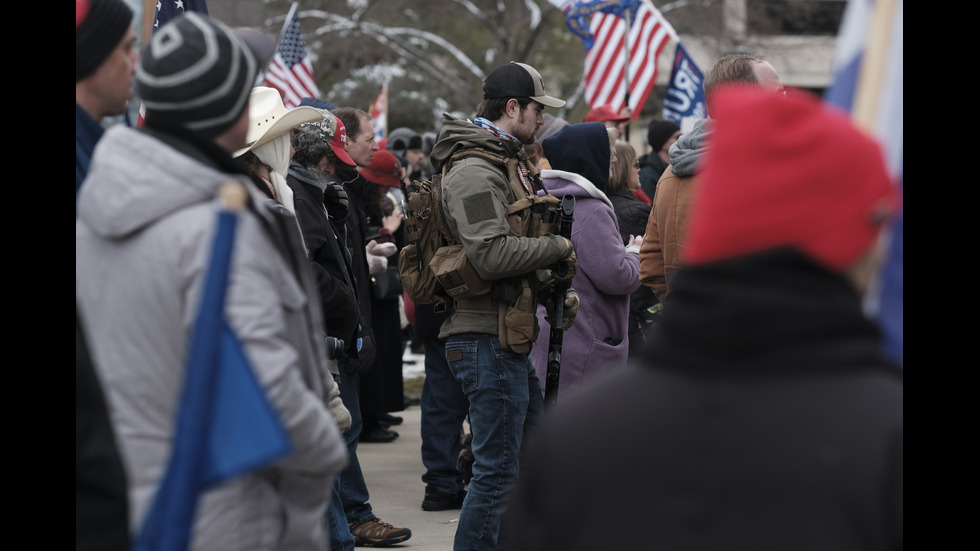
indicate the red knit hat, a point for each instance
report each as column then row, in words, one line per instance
column 385, row 169
column 787, row 171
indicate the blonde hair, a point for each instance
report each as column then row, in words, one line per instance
column 613, row 137
column 623, row 169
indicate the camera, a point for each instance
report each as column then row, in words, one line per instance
column 335, row 347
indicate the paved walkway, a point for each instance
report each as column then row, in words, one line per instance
column 393, row 472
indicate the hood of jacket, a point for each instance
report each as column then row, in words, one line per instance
column 583, row 149
column 559, row 182
column 689, row 149
column 130, row 189
column 459, row 134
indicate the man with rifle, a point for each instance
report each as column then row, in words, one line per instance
column 491, row 208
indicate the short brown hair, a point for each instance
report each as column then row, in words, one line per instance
column 493, row 108
column 732, row 68
column 352, row 118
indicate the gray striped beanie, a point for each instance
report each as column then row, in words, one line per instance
column 195, row 74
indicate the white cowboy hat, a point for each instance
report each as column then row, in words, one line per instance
column 268, row 118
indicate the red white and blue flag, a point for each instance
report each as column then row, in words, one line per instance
column 379, row 114
column 290, row 70
column 623, row 41
column 868, row 82
column 165, row 11
column 169, row 9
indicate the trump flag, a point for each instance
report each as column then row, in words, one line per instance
column 684, row 98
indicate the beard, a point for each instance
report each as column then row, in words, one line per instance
column 526, row 133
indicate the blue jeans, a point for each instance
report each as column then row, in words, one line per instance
column 444, row 407
column 505, row 399
column 349, row 500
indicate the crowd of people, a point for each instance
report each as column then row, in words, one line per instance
column 718, row 377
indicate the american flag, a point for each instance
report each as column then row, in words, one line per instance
column 165, row 11
column 606, row 75
column 169, row 9
column 290, row 70
column 869, row 82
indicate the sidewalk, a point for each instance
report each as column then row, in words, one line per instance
column 393, row 472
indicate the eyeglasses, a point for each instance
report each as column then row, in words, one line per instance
column 636, row 164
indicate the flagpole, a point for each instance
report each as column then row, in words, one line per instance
column 873, row 65
column 626, row 72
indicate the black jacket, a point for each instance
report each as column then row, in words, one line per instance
column 652, row 167
column 762, row 417
column 632, row 215
column 101, row 499
column 327, row 251
column 357, row 239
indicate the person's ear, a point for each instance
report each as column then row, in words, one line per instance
column 862, row 273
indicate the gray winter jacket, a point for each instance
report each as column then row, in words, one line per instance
column 142, row 241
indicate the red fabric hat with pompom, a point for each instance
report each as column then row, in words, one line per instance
column 385, row 169
column 787, row 171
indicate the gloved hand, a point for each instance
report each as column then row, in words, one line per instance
column 336, row 201
column 634, row 245
column 337, row 408
column 572, row 304
column 564, row 270
column 361, row 355
column 376, row 263
column 381, row 249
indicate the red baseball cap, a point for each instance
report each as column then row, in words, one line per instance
column 604, row 113
column 339, row 142
column 331, row 129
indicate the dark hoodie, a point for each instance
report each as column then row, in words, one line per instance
column 564, row 151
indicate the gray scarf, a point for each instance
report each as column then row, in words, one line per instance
column 686, row 153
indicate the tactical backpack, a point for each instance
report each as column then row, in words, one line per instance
column 431, row 253
column 434, row 269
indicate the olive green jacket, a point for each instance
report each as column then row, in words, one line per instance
column 475, row 197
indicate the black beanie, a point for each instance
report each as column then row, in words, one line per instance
column 403, row 138
column 195, row 74
column 104, row 26
column 659, row 132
